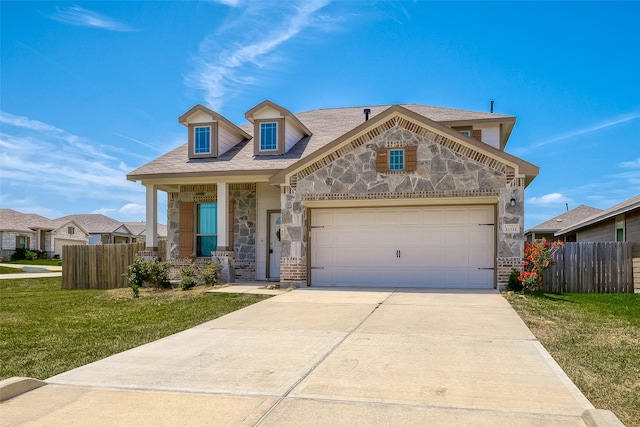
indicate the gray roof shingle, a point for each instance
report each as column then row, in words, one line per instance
column 326, row 126
column 567, row 219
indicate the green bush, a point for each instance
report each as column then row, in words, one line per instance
column 27, row 254
column 514, row 282
column 187, row 278
column 148, row 271
column 210, row 273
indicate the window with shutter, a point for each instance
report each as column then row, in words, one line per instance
column 477, row 134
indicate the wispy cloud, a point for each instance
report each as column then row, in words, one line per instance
column 588, row 129
column 548, row 199
column 633, row 164
column 223, row 69
column 43, row 164
column 76, row 15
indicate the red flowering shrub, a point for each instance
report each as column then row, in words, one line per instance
column 538, row 256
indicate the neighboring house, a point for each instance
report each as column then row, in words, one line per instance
column 35, row 232
column 620, row 223
column 101, row 228
column 548, row 228
column 139, row 229
column 396, row 195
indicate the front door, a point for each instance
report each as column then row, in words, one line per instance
column 275, row 219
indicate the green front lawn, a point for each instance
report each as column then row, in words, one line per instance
column 45, row 330
column 55, row 262
column 595, row 338
column 9, row 270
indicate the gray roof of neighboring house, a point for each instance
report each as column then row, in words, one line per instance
column 620, row 208
column 326, row 126
column 95, row 223
column 11, row 220
column 567, row 219
column 138, row 228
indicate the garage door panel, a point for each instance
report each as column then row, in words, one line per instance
column 439, row 247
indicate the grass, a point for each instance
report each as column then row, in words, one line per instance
column 595, row 338
column 9, row 270
column 55, row 262
column 45, row 330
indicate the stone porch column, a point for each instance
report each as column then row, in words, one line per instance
column 151, row 233
column 223, row 216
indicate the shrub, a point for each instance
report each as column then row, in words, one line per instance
column 149, row 271
column 210, row 273
column 22, row 253
column 538, row 256
column 187, row 278
column 514, row 281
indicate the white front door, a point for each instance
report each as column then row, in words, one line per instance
column 275, row 248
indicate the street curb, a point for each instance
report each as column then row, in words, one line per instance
column 600, row 418
column 15, row 386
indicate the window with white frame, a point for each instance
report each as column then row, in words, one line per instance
column 268, row 136
column 202, row 139
column 206, row 229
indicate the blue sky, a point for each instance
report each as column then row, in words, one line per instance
column 91, row 90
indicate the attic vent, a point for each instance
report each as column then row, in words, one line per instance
column 366, row 112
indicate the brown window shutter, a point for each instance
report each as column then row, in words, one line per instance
column 477, row 134
column 186, row 229
column 382, row 160
column 411, row 158
column 232, row 226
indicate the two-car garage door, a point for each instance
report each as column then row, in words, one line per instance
column 435, row 246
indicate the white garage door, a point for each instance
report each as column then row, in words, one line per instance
column 408, row 246
column 59, row 243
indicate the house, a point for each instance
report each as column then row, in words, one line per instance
column 619, row 223
column 548, row 228
column 37, row 233
column 392, row 195
column 138, row 230
column 101, row 228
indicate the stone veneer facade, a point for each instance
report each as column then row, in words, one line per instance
column 442, row 171
column 243, row 197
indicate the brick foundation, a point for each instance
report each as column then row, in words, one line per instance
column 505, row 265
column 293, row 270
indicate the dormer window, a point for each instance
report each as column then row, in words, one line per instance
column 268, row 136
column 209, row 134
column 202, row 139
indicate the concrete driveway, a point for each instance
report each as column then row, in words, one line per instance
column 322, row 357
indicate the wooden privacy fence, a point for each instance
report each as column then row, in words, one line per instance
column 99, row 266
column 591, row 267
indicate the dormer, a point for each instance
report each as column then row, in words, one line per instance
column 210, row 134
column 275, row 129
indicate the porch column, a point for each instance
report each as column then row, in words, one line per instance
column 223, row 216
column 151, row 233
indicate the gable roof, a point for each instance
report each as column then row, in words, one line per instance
column 621, row 208
column 184, row 119
column 391, row 116
column 283, row 112
column 139, row 228
column 95, row 223
column 11, row 220
column 567, row 219
column 325, row 125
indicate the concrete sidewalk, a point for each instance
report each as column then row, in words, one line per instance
column 322, row 357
